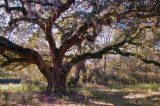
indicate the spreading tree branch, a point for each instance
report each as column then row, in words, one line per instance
column 113, row 47
column 59, row 28
column 29, row 54
column 98, row 54
column 30, row 20
column 78, row 37
column 60, row 9
column 9, row 9
column 127, row 54
column 13, row 60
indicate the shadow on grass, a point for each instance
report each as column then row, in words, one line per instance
column 99, row 98
column 117, row 95
column 113, row 98
column 93, row 95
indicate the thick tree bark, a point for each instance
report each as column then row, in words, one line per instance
column 56, row 75
column 57, row 79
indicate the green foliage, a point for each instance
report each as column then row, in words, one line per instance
column 21, row 92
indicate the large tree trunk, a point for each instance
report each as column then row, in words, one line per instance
column 56, row 74
column 57, row 78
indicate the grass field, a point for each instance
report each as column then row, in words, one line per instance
column 89, row 94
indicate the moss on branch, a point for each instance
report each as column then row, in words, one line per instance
column 27, row 53
column 99, row 54
column 13, row 60
column 137, row 56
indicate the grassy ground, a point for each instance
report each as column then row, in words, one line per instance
column 89, row 94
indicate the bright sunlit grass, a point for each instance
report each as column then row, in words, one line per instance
column 20, row 88
column 18, row 93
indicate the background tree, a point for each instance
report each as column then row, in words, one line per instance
column 76, row 21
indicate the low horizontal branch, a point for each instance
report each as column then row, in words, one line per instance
column 127, row 54
column 75, row 37
column 13, row 60
column 17, row 49
column 27, row 54
column 98, row 54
